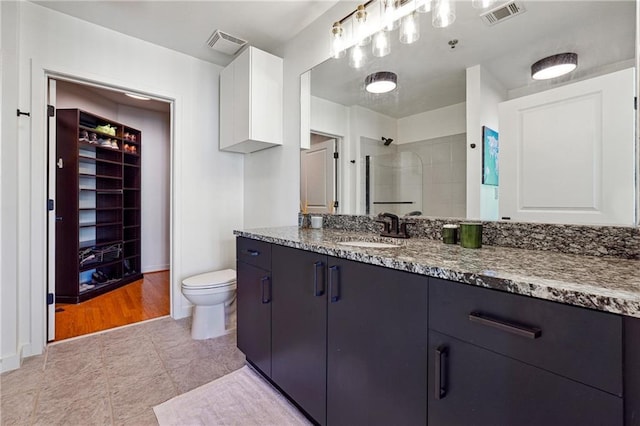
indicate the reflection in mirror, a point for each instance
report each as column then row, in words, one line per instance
column 566, row 145
column 393, row 183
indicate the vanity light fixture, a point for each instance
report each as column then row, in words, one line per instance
column 381, row 82
column 139, row 97
column 410, row 28
column 554, row 66
column 357, row 56
column 337, row 41
column 443, row 13
column 381, row 44
column 360, row 26
column 389, row 12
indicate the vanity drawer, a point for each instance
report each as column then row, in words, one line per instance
column 578, row 343
column 254, row 252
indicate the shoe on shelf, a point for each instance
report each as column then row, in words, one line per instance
column 105, row 142
column 84, row 136
column 114, row 144
column 93, row 138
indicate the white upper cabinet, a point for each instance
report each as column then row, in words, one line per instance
column 251, row 102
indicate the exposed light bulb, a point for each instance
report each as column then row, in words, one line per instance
column 482, row 4
column 389, row 15
column 337, row 41
column 361, row 26
column 410, row 28
column 381, row 44
column 357, row 57
column 444, row 13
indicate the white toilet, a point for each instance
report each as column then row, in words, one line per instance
column 209, row 293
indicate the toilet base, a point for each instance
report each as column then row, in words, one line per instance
column 208, row 322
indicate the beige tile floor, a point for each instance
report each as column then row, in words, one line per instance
column 114, row 378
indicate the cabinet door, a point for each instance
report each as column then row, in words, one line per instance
column 299, row 327
column 254, row 315
column 469, row 385
column 377, row 345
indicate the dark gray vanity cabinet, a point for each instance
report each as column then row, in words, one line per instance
column 376, row 345
column 299, row 327
column 254, row 302
column 632, row 371
column 500, row 359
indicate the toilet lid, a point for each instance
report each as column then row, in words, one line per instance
column 211, row 279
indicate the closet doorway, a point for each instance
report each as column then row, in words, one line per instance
column 148, row 297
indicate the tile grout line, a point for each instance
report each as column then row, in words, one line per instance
column 106, row 373
column 32, row 416
column 166, row 370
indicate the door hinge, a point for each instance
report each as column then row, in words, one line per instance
column 635, row 102
column 50, row 205
column 51, row 111
column 335, row 204
column 335, row 155
column 60, row 163
column 49, row 298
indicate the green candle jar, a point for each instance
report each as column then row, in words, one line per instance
column 450, row 234
column 471, row 234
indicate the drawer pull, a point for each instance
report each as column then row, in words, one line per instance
column 266, row 289
column 251, row 252
column 317, row 268
column 334, row 283
column 441, row 372
column 518, row 329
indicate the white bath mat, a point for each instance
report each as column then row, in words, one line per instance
column 239, row 398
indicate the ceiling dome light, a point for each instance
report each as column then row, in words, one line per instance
column 381, row 82
column 554, row 66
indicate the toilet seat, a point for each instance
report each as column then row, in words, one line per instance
column 210, row 280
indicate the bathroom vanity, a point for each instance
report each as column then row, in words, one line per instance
column 427, row 333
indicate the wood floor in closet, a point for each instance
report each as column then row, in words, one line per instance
column 141, row 300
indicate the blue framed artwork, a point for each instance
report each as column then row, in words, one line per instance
column 490, row 166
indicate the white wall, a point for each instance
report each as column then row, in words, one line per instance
column 437, row 123
column 207, row 184
column 484, row 94
column 272, row 176
column 156, row 184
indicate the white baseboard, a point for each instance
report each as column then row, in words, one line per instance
column 155, row 268
column 183, row 312
column 11, row 362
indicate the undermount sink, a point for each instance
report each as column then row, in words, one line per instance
column 368, row 244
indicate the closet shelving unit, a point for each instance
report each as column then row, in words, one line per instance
column 98, row 200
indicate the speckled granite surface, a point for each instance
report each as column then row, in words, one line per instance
column 602, row 283
column 587, row 240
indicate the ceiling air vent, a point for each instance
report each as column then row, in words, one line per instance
column 502, row 12
column 225, row 43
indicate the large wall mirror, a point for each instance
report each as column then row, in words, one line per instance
column 468, row 133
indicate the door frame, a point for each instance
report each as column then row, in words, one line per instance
column 38, row 217
column 339, row 169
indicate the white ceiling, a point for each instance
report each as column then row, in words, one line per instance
column 186, row 26
column 431, row 75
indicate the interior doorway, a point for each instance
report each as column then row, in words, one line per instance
column 318, row 175
column 148, row 297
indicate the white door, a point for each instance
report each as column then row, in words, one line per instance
column 567, row 154
column 317, row 177
column 51, row 217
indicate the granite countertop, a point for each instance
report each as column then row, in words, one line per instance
column 604, row 284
